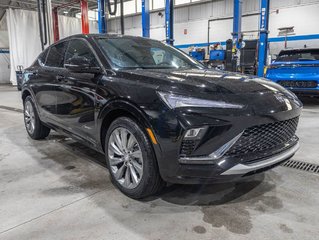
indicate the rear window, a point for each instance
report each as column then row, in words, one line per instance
column 298, row 55
column 56, row 55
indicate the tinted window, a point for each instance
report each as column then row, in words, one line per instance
column 144, row 53
column 79, row 49
column 42, row 57
column 298, row 55
column 56, row 55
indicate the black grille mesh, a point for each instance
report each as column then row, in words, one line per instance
column 264, row 137
column 188, row 147
column 298, row 84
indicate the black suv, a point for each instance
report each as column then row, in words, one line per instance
column 158, row 115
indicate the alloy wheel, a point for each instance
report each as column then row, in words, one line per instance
column 125, row 158
column 29, row 117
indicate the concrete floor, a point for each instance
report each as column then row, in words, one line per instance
column 59, row 189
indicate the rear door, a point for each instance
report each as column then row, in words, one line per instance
column 52, row 74
column 76, row 96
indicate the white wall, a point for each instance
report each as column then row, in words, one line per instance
column 24, row 40
column 72, row 25
column 4, row 56
column 302, row 14
column 4, row 68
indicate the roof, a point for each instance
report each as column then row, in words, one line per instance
column 95, row 35
column 300, row 49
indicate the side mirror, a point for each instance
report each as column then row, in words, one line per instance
column 81, row 65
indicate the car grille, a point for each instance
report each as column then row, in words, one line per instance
column 264, row 137
column 298, row 84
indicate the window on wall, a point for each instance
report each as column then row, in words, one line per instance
column 159, row 4
column 178, row 2
column 93, row 14
column 129, row 7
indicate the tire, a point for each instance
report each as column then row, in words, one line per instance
column 135, row 159
column 33, row 125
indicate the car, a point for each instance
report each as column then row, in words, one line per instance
column 297, row 70
column 158, row 115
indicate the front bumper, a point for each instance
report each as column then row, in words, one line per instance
column 199, row 165
column 298, row 86
column 244, row 169
column 228, row 170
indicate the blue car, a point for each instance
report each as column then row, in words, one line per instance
column 297, row 70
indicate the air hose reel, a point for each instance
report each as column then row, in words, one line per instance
column 113, row 13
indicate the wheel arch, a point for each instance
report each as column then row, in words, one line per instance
column 25, row 93
column 116, row 109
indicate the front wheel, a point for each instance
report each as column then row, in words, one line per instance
column 32, row 122
column 131, row 160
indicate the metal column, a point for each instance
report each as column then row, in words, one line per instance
column 101, row 16
column 263, row 37
column 237, row 21
column 146, row 18
column 56, row 35
column 85, row 17
column 169, row 21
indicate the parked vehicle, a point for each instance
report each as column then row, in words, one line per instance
column 158, row 115
column 297, row 70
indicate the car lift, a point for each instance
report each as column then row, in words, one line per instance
column 263, row 37
column 84, row 17
column 146, row 18
column 263, row 32
column 101, row 16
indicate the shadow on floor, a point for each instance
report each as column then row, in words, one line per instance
column 312, row 102
column 191, row 195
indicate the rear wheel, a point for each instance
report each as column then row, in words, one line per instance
column 130, row 159
column 33, row 125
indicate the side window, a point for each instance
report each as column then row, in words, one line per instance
column 56, row 55
column 79, row 49
column 42, row 57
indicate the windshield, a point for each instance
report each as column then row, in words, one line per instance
column 134, row 53
column 298, row 55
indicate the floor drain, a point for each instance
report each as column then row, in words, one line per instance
column 308, row 167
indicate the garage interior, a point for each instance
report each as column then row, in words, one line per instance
column 58, row 188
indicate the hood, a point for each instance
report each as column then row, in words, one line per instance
column 199, row 81
column 313, row 63
column 301, row 70
column 260, row 95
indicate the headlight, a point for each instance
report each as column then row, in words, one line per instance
column 178, row 101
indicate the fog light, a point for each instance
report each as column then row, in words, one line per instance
column 195, row 133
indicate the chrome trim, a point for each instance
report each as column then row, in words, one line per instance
column 214, row 156
column 241, row 169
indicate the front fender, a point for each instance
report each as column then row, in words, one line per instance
column 117, row 108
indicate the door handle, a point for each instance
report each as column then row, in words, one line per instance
column 60, row 78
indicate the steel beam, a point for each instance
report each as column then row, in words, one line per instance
column 56, row 35
column 263, row 37
column 237, row 21
column 169, row 21
column 101, row 16
column 85, row 17
column 146, row 18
